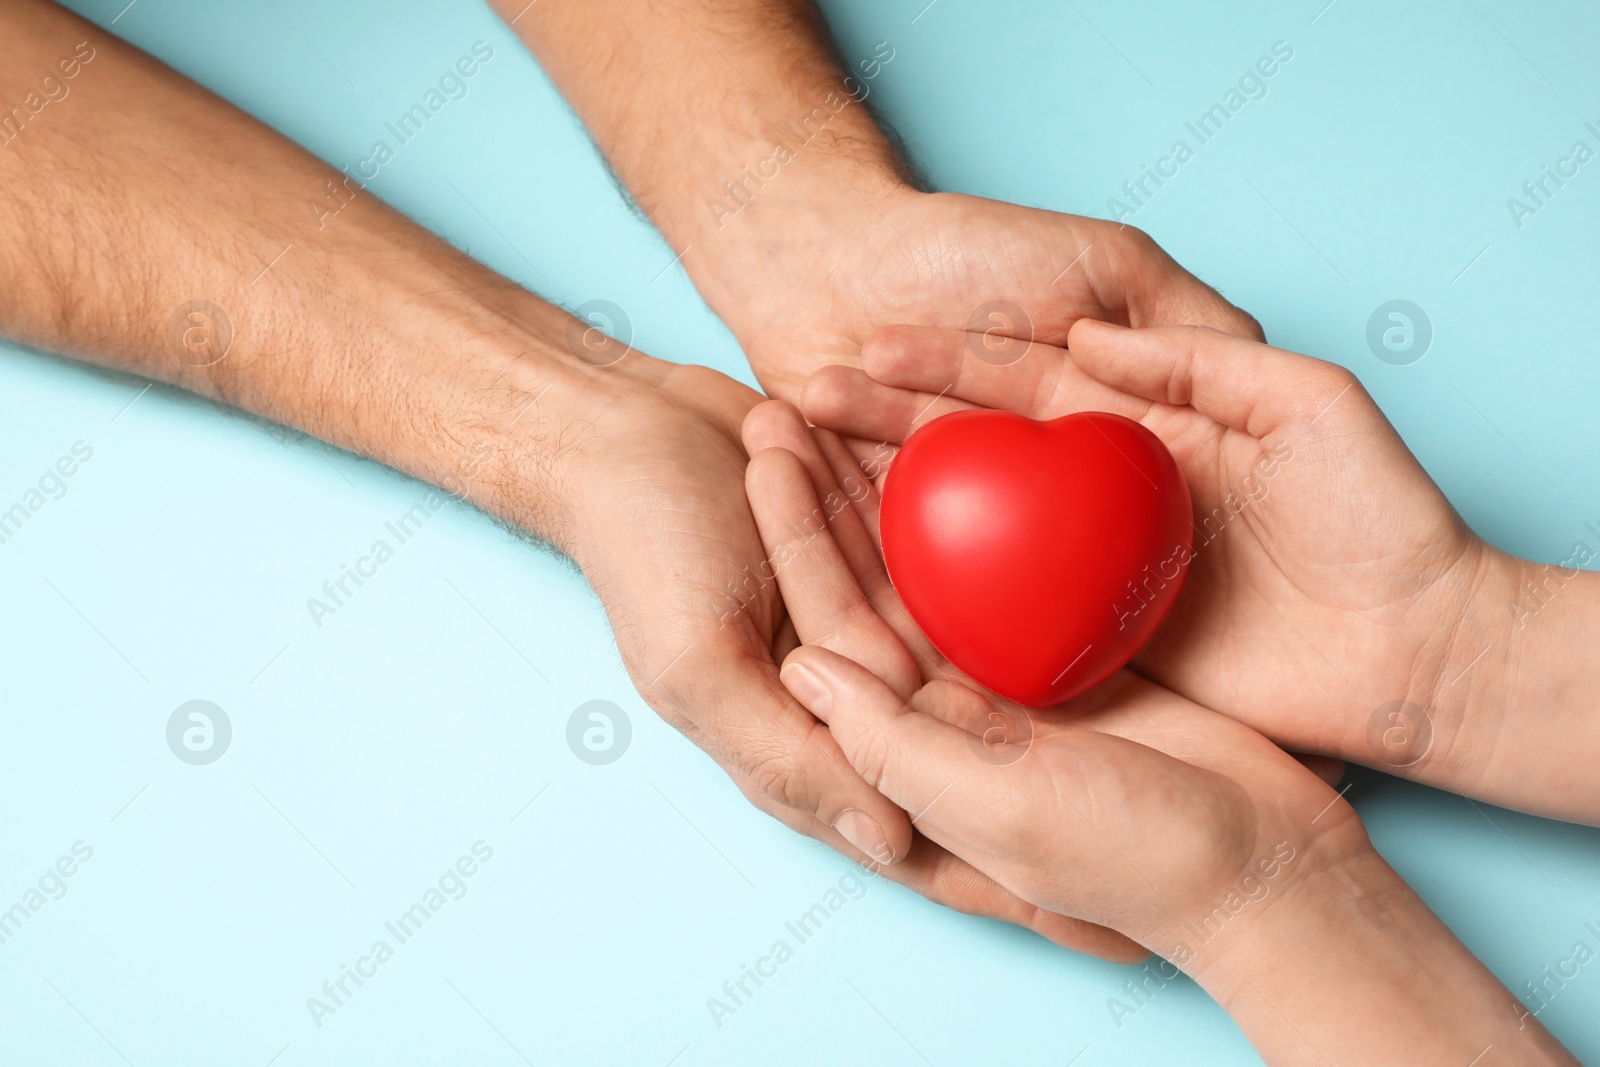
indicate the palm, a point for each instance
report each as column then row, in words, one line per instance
column 1130, row 795
column 1107, row 807
column 668, row 540
column 1328, row 568
column 1316, row 580
column 671, row 538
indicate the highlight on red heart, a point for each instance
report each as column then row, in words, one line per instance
column 1038, row 557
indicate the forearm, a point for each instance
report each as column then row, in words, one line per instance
column 1516, row 707
column 154, row 228
column 1352, row 967
column 732, row 124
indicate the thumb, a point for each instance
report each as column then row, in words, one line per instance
column 1151, row 288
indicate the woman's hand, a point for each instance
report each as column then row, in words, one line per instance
column 1331, row 579
column 1129, row 806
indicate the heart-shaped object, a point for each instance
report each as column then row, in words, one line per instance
column 1037, row 556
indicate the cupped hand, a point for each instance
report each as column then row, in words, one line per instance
column 1130, row 807
column 1329, row 575
column 662, row 530
column 949, row 260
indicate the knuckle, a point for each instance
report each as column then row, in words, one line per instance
column 871, row 758
column 781, row 776
column 1139, row 239
column 1249, row 326
column 1326, row 382
column 1338, row 377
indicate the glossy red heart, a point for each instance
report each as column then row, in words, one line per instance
column 1037, row 556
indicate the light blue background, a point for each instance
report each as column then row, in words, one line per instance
column 370, row 754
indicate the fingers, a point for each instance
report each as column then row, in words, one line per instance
column 778, row 425
column 943, row 878
column 1330, row 770
column 873, row 458
column 858, row 483
column 743, row 715
column 790, row 517
column 1137, row 276
column 847, row 401
column 1237, row 382
column 818, row 586
column 910, row 757
column 1030, row 378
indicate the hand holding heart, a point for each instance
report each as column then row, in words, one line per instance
column 1133, row 808
column 1329, row 573
column 1038, row 557
column 1129, row 807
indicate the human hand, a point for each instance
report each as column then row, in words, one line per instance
column 1329, row 577
column 1180, row 798
column 660, row 526
column 793, row 213
column 1129, row 806
column 896, row 255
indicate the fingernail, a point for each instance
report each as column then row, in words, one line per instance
column 808, row 689
column 863, row 831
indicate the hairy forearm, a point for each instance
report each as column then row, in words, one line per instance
column 733, row 124
column 156, row 229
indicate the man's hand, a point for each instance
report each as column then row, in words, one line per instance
column 790, row 208
column 662, row 529
column 369, row 332
column 960, row 262
column 1331, row 580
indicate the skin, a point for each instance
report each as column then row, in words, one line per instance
column 1130, row 806
column 1330, row 576
column 363, row 329
column 840, row 240
column 804, row 266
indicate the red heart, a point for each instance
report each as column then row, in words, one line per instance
column 1037, row 556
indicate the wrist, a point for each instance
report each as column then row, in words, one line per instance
column 1512, row 708
column 756, row 248
column 431, row 365
column 1353, row 967
column 1223, row 939
column 1322, row 899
